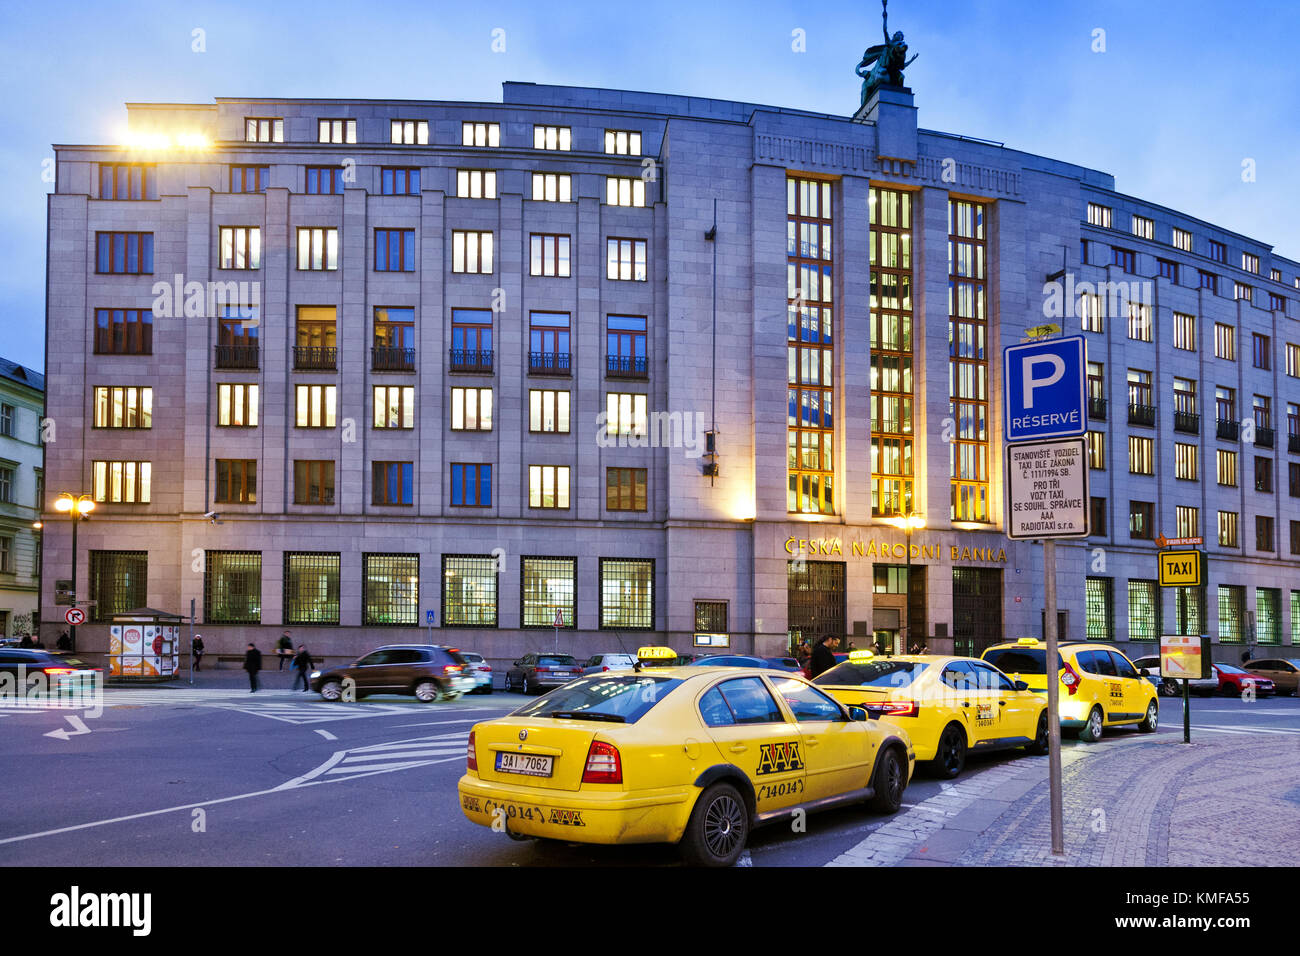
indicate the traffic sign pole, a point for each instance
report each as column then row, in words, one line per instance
column 1053, row 697
column 1187, row 711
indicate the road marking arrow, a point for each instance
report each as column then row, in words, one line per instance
column 64, row 734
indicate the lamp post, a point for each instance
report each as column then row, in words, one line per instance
column 907, row 523
column 78, row 507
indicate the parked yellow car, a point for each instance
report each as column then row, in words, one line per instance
column 948, row 705
column 696, row 756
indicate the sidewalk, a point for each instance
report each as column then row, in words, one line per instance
column 226, row 677
column 1128, row 801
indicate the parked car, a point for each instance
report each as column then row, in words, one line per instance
column 1233, row 681
column 786, row 664
column 33, row 671
column 533, row 672
column 744, row 660
column 1284, row 672
column 599, row 663
column 428, row 671
column 478, row 668
column 1172, row 686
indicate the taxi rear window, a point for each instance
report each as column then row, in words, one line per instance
column 556, row 660
column 616, row 698
column 881, row 673
column 1020, row 660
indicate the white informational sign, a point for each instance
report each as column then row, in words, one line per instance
column 1047, row 489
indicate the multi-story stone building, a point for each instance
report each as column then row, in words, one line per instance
column 339, row 365
column 22, row 404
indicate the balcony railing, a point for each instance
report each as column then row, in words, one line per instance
column 471, row 360
column 1141, row 414
column 548, row 363
column 1229, row 429
column 1293, row 444
column 627, row 366
column 392, row 358
column 315, row 358
column 1264, row 437
column 237, row 356
column 1097, row 409
column 1187, row 422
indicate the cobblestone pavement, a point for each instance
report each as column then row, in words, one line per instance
column 1134, row 801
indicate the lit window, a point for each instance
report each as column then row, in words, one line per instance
column 241, row 247
column 118, row 407
column 549, row 255
column 624, row 191
column 471, row 409
column 318, row 248
column 548, row 486
column 1143, row 228
column 410, row 132
column 476, row 183
column 626, row 259
column 552, row 187
column 336, row 130
column 263, row 130
column 548, row 410
column 621, row 142
column 480, row 134
column 1098, row 215
column 126, row 482
column 471, row 251
column 551, row 137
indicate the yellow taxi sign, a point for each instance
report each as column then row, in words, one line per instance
column 858, row 657
column 1180, row 568
column 1027, row 641
column 656, row 653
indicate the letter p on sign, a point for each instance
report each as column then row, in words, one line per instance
column 1031, row 381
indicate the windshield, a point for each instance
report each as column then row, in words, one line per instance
column 1020, row 660
column 556, row 660
column 883, row 673
column 1230, row 668
column 627, row 697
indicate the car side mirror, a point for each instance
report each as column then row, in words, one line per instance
column 1144, row 672
column 1021, row 685
column 858, row 713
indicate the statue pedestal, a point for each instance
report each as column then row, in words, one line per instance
column 890, row 109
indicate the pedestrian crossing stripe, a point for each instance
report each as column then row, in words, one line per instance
column 385, row 758
column 309, row 713
column 1238, row 729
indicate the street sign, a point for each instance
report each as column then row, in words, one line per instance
column 1163, row 542
column 74, row 616
column 429, row 618
column 1047, row 489
column 1184, row 656
column 1181, row 569
column 559, row 617
column 1044, row 389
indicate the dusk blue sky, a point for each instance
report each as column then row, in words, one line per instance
column 1184, row 92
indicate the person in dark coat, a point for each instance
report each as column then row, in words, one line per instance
column 196, row 649
column 303, row 665
column 823, row 656
column 65, row 642
column 252, row 664
column 26, row 641
column 284, row 650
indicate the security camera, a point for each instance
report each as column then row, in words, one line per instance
column 209, row 514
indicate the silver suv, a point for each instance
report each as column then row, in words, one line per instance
column 597, row 663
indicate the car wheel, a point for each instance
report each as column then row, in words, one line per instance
column 889, row 783
column 1169, row 687
column 719, row 825
column 951, row 756
column 426, row 691
column 1091, row 731
column 528, row 687
column 1039, row 746
column 1148, row 726
column 331, row 690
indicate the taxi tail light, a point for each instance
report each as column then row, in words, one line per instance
column 471, row 759
column 896, row 708
column 58, row 671
column 603, row 764
column 451, row 668
column 1070, row 679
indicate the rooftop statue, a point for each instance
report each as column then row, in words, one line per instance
column 883, row 64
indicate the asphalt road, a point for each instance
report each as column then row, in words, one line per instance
column 219, row 777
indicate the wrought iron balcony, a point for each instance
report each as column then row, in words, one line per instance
column 1187, row 422
column 1264, row 437
column 315, row 358
column 548, row 363
column 1141, row 414
column 1097, row 409
column 1293, row 444
column 392, row 358
column 626, row 366
column 1229, row 429
column 471, row 360
column 237, row 356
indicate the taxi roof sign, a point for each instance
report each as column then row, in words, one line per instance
column 1028, row 641
column 655, row 653
column 862, row 655
column 1181, row 568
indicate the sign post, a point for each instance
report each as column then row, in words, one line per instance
column 1044, row 398
column 559, row 623
column 429, row 617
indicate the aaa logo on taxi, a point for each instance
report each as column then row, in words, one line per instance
column 778, row 758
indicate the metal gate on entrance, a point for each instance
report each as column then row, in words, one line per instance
column 816, row 599
column 976, row 610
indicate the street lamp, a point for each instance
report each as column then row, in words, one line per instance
column 907, row 524
column 78, row 507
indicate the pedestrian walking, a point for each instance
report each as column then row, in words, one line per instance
column 196, row 651
column 823, row 656
column 64, row 643
column 302, row 664
column 252, row 664
column 26, row 641
column 284, row 650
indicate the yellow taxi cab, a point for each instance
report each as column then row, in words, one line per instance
column 1100, row 687
column 948, row 705
column 695, row 756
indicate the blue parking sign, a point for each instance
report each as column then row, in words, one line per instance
column 1044, row 389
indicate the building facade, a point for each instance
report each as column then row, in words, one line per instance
column 22, row 407
column 656, row 369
